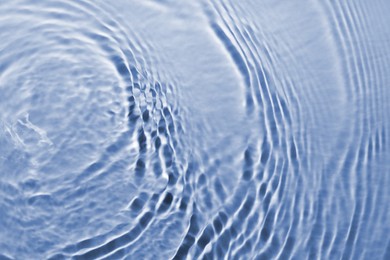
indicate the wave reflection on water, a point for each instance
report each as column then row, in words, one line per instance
column 205, row 130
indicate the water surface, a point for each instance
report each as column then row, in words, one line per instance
column 194, row 129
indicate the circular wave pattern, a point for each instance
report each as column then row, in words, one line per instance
column 301, row 195
column 97, row 161
column 85, row 126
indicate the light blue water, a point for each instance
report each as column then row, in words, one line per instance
column 215, row 129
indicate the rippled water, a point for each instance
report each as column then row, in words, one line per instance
column 194, row 129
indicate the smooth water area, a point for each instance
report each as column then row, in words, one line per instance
column 220, row 129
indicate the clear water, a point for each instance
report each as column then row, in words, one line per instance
column 215, row 129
